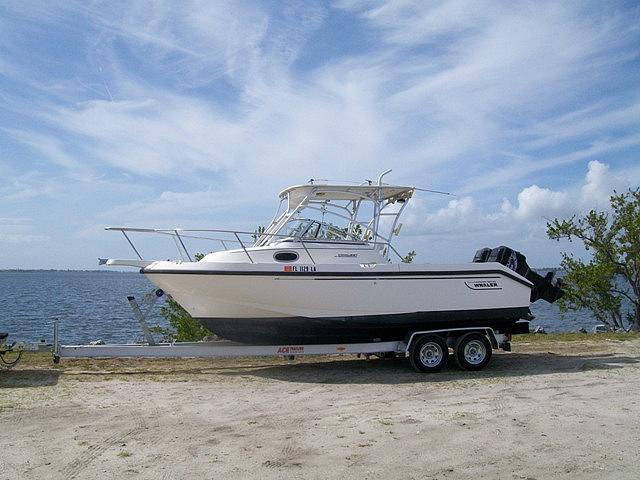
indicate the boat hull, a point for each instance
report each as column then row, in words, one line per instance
column 372, row 328
column 329, row 304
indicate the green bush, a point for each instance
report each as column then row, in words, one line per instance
column 183, row 327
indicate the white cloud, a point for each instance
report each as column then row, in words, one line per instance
column 535, row 203
column 463, row 226
column 534, row 206
column 48, row 146
column 583, row 123
column 170, row 206
column 600, row 184
column 449, row 219
column 456, row 98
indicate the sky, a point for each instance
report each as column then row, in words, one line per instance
column 195, row 114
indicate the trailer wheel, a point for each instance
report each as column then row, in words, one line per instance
column 472, row 351
column 429, row 354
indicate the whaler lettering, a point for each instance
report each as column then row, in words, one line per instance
column 483, row 285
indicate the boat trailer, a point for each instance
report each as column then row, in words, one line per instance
column 428, row 350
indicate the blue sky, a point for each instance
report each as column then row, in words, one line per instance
column 196, row 114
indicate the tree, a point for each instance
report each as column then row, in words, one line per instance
column 257, row 233
column 612, row 275
column 408, row 258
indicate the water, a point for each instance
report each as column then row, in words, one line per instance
column 93, row 305
column 89, row 305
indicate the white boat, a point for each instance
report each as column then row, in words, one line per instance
column 325, row 271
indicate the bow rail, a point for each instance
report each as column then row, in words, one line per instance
column 179, row 235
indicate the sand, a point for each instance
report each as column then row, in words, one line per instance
column 561, row 410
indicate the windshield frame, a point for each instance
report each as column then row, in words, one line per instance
column 360, row 231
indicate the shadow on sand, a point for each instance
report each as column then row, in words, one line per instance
column 28, row 378
column 397, row 371
column 320, row 370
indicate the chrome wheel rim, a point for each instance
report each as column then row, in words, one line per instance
column 431, row 354
column 475, row 352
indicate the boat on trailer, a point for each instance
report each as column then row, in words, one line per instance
column 325, row 271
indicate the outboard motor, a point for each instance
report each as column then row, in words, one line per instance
column 482, row 255
column 543, row 287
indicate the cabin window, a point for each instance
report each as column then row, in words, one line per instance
column 286, row 256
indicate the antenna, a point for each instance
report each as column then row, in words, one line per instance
column 434, row 191
column 382, row 175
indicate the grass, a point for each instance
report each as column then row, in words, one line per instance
column 573, row 337
column 36, row 358
column 124, row 454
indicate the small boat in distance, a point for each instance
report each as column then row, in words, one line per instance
column 325, row 271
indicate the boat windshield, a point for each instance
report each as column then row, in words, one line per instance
column 309, row 229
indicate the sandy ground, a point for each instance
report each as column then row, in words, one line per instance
column 562, row 410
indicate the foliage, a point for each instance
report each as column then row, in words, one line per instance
column 257, row 233
column 183, row 326
column 551, row 338
column 613, row 272
column 357, row 233
column 408, row 258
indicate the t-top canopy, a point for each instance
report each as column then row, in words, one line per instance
column 298, row 193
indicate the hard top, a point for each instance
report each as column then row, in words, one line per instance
column 298, row 193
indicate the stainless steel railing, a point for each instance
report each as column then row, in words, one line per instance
column 179, row 234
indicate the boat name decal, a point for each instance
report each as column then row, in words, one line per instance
column 290, row 350
column 299, row 268
column 483, row 285
column 347, row 255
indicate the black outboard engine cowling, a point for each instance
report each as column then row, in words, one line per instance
column 543, row 287
column 482, row 255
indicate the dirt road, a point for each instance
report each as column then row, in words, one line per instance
column 545, row 411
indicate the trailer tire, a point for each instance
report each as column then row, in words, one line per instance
column 472, row 351
column 429, row 354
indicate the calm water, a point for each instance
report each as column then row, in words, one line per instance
column 90, row 305
column 93, row 305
